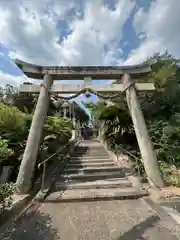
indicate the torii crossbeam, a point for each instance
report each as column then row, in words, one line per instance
column 49, row 74
column 80, row 72
column 136, row 72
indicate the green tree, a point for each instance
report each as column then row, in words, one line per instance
column 10, row 95
column 95, row 108
column 59, row 126
column 14, row 127
column 12, row 120
column 161, row 109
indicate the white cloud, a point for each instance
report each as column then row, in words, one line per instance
column 159, row 28
column 6, row 78
column 139, row 21
column 31, row 29
column 92, row 34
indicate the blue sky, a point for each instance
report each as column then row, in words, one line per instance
column 85, row 32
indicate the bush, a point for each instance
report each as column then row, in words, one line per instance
column 61, row 127
column 6, row 191
column 11, row 119
column 161, row 109
column 4, row 150
column 14, row 124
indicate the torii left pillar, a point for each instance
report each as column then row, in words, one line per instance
column 27, row 167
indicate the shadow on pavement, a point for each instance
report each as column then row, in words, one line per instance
column 137, row 231
column 32, row 225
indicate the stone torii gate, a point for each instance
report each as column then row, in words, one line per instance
column 129, row 76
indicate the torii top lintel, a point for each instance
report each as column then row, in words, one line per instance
column 80, row 72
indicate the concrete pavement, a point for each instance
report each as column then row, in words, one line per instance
column 104, row 220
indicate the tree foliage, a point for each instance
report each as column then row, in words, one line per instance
column 161, row 109
column 62, row 127
column 16, row 111
column 10, row 95
column 95, row 108
column 6, row 191
column 5, row 151
column 12, row 120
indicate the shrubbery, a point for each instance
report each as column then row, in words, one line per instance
column 6, row 191
column 15, row 120
column 4, row 150
column 61, row 127
column 12, row 120
column 161, row 109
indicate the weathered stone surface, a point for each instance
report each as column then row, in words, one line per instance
column 27, row 167
column 80, row 72
column 99, row 184
column 90, row 183
column 100, row 220
column 93, row 164
column 81, row 195
column 74, row 88
column 120, row 220
column 148, row 154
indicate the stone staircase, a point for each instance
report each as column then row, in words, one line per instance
column 91, row 175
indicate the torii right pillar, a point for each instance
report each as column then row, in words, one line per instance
column 145, row 145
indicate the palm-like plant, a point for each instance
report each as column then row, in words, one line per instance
column 95, row 108
column 114, row 120
column 116, row 124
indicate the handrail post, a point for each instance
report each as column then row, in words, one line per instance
column 43, row 176
column 45, row 162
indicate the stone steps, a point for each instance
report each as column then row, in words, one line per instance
column 79, row 195
column 98, row 150
column 85, row 170
column 89, row 164
column 91, row 152
column 100, row 163
column 98, row 184
column 74, row 159
column 93, row 176
column 90, row 156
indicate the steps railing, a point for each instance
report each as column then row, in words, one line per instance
column 139, row 163
column 44, row 163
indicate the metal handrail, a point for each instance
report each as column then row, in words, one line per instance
column 133, row 156
column 46, row 160
column 54, row 154
column 137, row 158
